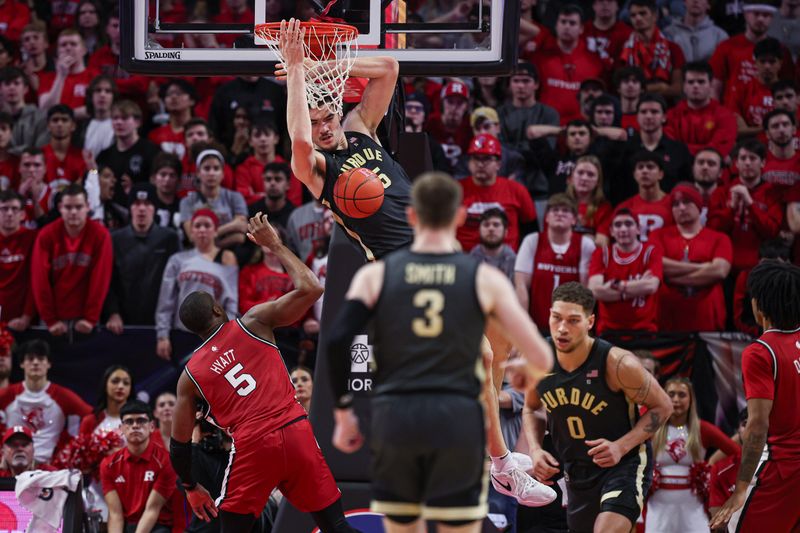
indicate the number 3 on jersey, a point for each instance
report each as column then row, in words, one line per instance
column 249, row 384
column 432, row 301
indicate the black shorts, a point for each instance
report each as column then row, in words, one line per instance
column 620, row 489
column 428, row 457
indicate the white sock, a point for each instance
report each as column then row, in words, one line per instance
column 501, row 464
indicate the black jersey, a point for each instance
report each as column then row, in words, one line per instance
column 387, row 230
column 428, row 325
column 581, row 406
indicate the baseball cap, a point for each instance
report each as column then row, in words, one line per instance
column 485, row 144
column 688, row 192
column 486, row 113
column 420, row 98
column 17, row 430
column 142, row 191
column 523, row 68
column 455, row 88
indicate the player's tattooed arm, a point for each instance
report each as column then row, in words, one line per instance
column 754, row 438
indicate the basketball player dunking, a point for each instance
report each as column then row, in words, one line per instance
column 323, row 146
column 768, row 483
column 428, row 306
column 240, row 375
column 591, row 396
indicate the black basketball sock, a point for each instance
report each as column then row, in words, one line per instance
column 332, row 520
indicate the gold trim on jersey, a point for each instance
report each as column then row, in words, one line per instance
column 396, row 508
column 354, row 235
column 640, row 475
column 610, row 494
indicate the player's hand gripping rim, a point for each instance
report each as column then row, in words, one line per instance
column 260, row 232
column 201, row 502
column 290, row 42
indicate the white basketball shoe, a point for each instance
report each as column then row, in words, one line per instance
column 514, row 481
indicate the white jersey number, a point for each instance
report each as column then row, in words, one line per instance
column 249, row 384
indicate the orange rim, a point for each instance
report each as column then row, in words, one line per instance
column 271, row 30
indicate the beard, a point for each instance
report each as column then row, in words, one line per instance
column 705, row 185
column 493, row 244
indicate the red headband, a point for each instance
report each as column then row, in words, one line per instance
column 207, row 213
column 689, row 192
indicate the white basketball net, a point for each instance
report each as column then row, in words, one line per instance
column 328, row 60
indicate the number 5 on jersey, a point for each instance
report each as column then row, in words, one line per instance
column 246, row 380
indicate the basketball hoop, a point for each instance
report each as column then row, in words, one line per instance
column 330, row 50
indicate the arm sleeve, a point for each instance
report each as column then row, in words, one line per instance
column 724, row 137
column 100, row 277
column 758, row 368
column 656, row 263
column 724, row 248
column 105, row 475
column 527, row 210
column 596, row 265
column 712, row 437
column 165, row 309
column 352, row 319
column 40, row 279
column 527, row 251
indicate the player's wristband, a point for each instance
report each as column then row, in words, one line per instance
column 180, row 454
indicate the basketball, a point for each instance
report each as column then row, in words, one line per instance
column 358, row 193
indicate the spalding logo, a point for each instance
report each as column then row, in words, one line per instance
column 363, row 520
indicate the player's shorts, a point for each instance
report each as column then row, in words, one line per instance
column 620, row 489
column 288, row 458
column 772, row 499
column 428, row 457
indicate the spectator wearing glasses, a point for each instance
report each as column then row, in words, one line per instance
column 418, row 108
column 484, row 189
column 512, row 164
column 624, row 278
column 138, row 479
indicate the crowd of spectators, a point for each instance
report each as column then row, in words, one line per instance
column 646, row 149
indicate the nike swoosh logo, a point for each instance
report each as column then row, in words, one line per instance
column 506, row 486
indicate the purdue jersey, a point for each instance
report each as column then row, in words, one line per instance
column 428, row 325
column 387, row 230
column 581, row 406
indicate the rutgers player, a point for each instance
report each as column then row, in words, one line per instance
column 624, row 278
column 765, row 497
column 240, row 374
column 550, row 258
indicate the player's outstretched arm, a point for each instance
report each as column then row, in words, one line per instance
column 625, row 373
column 500, row 303
column 545, row 465
column 307, row 164
column 753, row 442
column 293, row 305
column 382, row 72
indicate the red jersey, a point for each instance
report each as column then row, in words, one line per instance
column 259, row 283
column 692, row 308
column 607, row 44
column 713, row 125
column 782, row 173
column 651, row 215
column 561, row 76
column 74, row 92
column 70, row 276
column 751, row 100
column 770, row 372
column 249, row 181
column 749, row 227
column 168, row 140
column 551, row 269
column 613, row 264
column 14, row 16
column 510, row 196
column 244, row 380
column 455, row 142
column 16, row 297
column 61, row 173
column 133, row 477
column 9, row 172
column 733, row 61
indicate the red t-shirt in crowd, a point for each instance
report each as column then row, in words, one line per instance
column 169, row 140
column 733, row 61
column 651, row 215
column 607, row 44
column 70, row 276
column 105, row 61
column 258, row 283
column 633, row 313
column 750, row 227
column 16, row 297
column 510, row 196
column 713, row 125
column 561, row 75
column 14, row 16
column 598, row 223
column 692, row 308
column 769, row 372
column 134, row 477
column 454, row 141
column 61, row 173
column 249, row 181
column 9, row 172
column 782, row 173
column 74, row 92
column 751, row 100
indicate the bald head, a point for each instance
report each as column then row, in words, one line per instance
column 197, row 312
